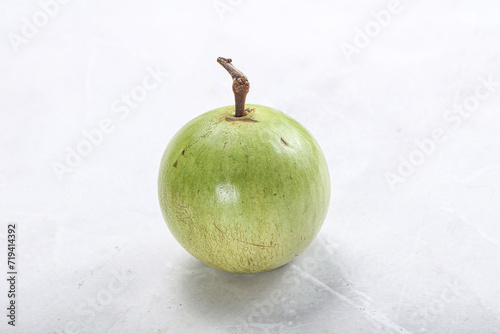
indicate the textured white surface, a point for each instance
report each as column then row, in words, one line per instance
column 94, row 253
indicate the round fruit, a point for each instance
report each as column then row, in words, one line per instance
column 245, row 191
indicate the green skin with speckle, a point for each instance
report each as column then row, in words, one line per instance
column 244, row 194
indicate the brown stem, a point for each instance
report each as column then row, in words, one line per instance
column 241, row 86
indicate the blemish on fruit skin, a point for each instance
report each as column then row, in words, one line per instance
column 183, row 151
column 224, row 145
column 243, row 241
column 175, row 163
column 284, row 142
column 252, row 244
column 217, row 227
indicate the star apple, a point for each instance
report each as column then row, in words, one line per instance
column 243, row 188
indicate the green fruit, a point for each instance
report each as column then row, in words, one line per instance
column 244, row 194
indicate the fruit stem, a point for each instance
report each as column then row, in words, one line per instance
column 241, row 86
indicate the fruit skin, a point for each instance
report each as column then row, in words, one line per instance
column 244, row 194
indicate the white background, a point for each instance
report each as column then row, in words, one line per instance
column 418, row 254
